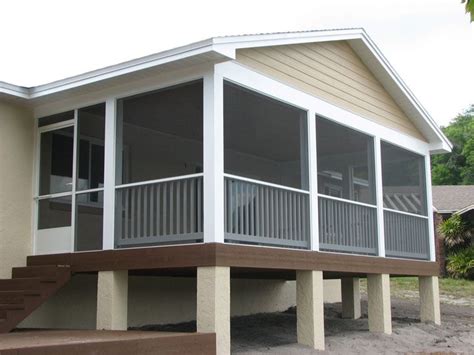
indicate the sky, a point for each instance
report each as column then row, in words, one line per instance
column 430, row 43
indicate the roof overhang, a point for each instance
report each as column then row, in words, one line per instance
column 221, row 49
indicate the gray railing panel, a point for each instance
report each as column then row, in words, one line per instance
column 161, row 212
column 265, row 215
column 406, row 236
column 347, row 227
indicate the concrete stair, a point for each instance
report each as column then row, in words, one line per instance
column 28, row 289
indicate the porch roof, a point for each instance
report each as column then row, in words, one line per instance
column 221, row 49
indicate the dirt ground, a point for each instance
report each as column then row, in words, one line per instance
column 275, row 333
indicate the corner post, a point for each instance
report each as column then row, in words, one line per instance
column 429, row 207
column 213, row 304
column 379, row 195
column 313, row 180
column 213, row 138
column 108, row 233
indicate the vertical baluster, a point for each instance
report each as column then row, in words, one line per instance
column 158, row 207
column 258, row 222
column 178, row 206
column 199, row 204
column 145, row 210
column 241, row 208
column 267, row 212
column 185, row 229
column 126, row 193
column 139, row 211
column 252, row 210
column 247, row 209
column 192, row 210
column 165, row 208
column 152, row 211
column 171, row 211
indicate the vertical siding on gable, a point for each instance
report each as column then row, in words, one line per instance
column 333, row 72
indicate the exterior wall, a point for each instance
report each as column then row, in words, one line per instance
column 16, row 170
column 163, row 300
column 333, row 72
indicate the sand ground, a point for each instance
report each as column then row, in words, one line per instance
column 275, row 333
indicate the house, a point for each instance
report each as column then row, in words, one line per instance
column 190, row 184
column 454, row 199
column 451, row 200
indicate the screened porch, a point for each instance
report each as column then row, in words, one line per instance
column 273, row 193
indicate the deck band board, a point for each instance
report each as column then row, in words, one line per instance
column 235, row 256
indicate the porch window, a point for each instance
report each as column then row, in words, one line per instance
column 404, row 198
column 159, row 166
column 346, row 187
column 266, row 170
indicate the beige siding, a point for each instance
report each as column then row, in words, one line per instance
column 334, row 73
column 16, row 169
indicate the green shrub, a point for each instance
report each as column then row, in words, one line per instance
column 454, row 230
column 461, row 264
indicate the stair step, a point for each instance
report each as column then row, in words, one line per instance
column 46, row 272
column 12, row 307
column 26, row 284
column 12, row 297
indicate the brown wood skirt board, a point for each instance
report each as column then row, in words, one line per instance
column 235, row 256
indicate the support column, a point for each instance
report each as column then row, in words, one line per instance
column 213, row 304
column 350, row 291
column 429, row 299
column 380, row 314
column 112, row 300
column 310, row 308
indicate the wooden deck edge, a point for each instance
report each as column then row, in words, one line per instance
column 193, row 343
column 234, row 256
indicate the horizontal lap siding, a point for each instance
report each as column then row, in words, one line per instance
column 334, row 73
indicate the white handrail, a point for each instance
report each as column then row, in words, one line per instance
column 348, row 201
column 157, row 181
column 265, row 183
column 405, row 213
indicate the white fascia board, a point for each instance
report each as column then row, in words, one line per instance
column 446, row 145
column 123, row 68
column 14, row 90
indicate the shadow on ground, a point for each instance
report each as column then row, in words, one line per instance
column 276, row 332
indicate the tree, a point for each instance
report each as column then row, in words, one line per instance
column 457, row 167
column 469, row 7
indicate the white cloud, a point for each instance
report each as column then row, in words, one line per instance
column 430, row 43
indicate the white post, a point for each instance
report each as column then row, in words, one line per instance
column 379, row 195
column 213, row 169
column 108, row 240
column 429, row 299
column 350, row 296
column 429, row 207
column 313, row 180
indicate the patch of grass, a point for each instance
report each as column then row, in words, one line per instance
column 407, row 287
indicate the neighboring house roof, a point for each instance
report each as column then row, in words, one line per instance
column 221, row 49
column 453, row 198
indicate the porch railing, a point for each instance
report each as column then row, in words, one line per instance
column 160, row 211
column 406, row 235
column 265, row 214
column 347, row 226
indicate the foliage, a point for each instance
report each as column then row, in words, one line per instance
column 469, row 7
column 457, row 167
column 455, row 231
column 461, row 264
